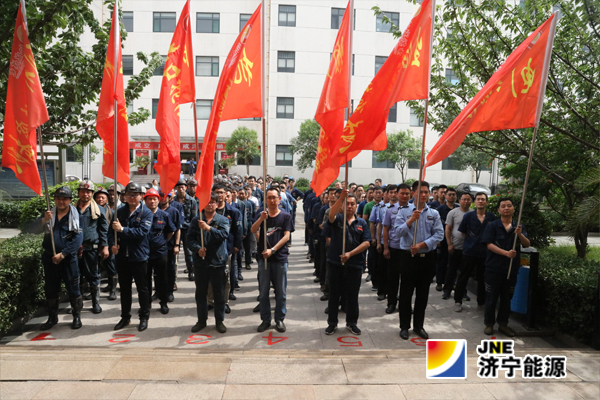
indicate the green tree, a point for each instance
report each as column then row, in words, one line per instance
column 467, row 157
column 585, row 216
column 78, row 151
column 402, row 148
column 71, row 77
column 472, row 40
column 305, row 144
column 244, row 144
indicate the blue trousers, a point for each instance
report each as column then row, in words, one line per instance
column 277, row 273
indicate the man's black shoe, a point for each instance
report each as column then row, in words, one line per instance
column 325, row 297
column 185, row 271
column 330, row 329
column 368, row 278
column 240, row 278
column 164, row 308
column 210, row 307
column 421, row 332
column 227, row 309
column 191, row 277
column 280, row 326
column 354, row 329
column 404, row 334
column 316, row 280
column 374, row 288
column 143, row 325
column 154, row 297
column 258, row 298
column 221, row 328
column 315, row 273
column 171, row 298
column 248, row 267
column 122, row 323
column 439, row 287
column 390, row 309
column 199, row 326
column 232, row 296
column 381, row 297
column 257, row 308
column 263, row 326
column 326, row 310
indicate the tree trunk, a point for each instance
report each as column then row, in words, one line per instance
column 477, row 174
column 247, row 169
column 581, row 242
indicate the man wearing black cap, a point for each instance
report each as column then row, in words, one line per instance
column 132, row 250
column 95, row 241
column 190, row 210
column 62, row 264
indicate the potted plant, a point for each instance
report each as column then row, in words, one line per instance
column 141, row 162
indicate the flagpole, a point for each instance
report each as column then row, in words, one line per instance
column 117, row 45
column 197, row 159
column 265, row 46
column 421, row 169
column 540, row 106
column 39, row 133
column 350, row 29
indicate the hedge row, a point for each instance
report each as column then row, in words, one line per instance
column 10, row 214
column 21, row 278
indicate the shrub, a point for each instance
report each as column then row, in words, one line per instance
column 569, row 286
column 10, row 214
column 304, row 182
column 21, row 278
column 303, row 189
column 536, row 223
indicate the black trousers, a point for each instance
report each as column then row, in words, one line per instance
column 171, row 270
column 454, row 265
column 442, row 263
column 415, row 277
column 157, row 267
column 88, row 266
column 382, row 272
column 498, row 290
column 217, row 278
column 393, row 277
column 322, row 260
column 469, row 264
column 247, row 252
column 371, row 261
column 344, row 281
column 127, row 271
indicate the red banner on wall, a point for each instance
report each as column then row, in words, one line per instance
column 182, row 146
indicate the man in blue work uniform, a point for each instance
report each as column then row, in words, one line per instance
column 177, row 241
column 499, row 236
column 249, row 207
column 160, row 234
column 210, row 262
column 296, row 195
column 417, row 262
column 442, row 251
column 345, row 264
column 133, row 224
column 95, row 240
column 190, row 210
column 175, row 216
column 101, row 197
column 62, row 264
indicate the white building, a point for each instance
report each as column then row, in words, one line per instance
column 302, row 34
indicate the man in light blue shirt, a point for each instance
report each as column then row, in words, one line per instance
column 417, row 262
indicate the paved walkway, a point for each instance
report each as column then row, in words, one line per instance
column 168, row 361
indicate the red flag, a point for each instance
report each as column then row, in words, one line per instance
column 330, row 111
column 403, row 76
column 25, row 110
column 511, row 99
column 239, row 95
column 178, row 87
column 106, row 110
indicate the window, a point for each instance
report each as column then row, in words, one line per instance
column 381, row 26
column 286, row 61
column 160, row 70
column 393, row 114
column 255, row 161
column 130, row 108
column 154, row 108
column 448, row 163
column 346, row 110
column 249, row 119
column 285, row 107
column 337, row 14
column 208, row 22
column 382, row 164
column 163, row 22
column 414, row 164
column 287, row 15
column 349, row 164
column 207, row 66
column 379, row 60
column 127, row 65
column 283, row 155
column 243, row 20
column 451, row 77
column 203, row 108
column 71, row 157
column 128, row 20
column 415, row 120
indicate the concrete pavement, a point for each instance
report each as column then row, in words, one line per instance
column 169, row 361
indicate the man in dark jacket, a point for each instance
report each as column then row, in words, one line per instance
column 210, row 262
column 190, row 210
column 175, row 212
column 132, row 249
column 63, row 224
column 95, row 241
column 161, row 232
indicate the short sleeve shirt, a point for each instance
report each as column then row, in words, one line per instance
column 276, row 228
column 496, row 233
column 473, row 229
column 453, row 219
column 356, row 233
column 388, row 220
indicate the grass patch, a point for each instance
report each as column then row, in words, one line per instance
column 570, row 251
